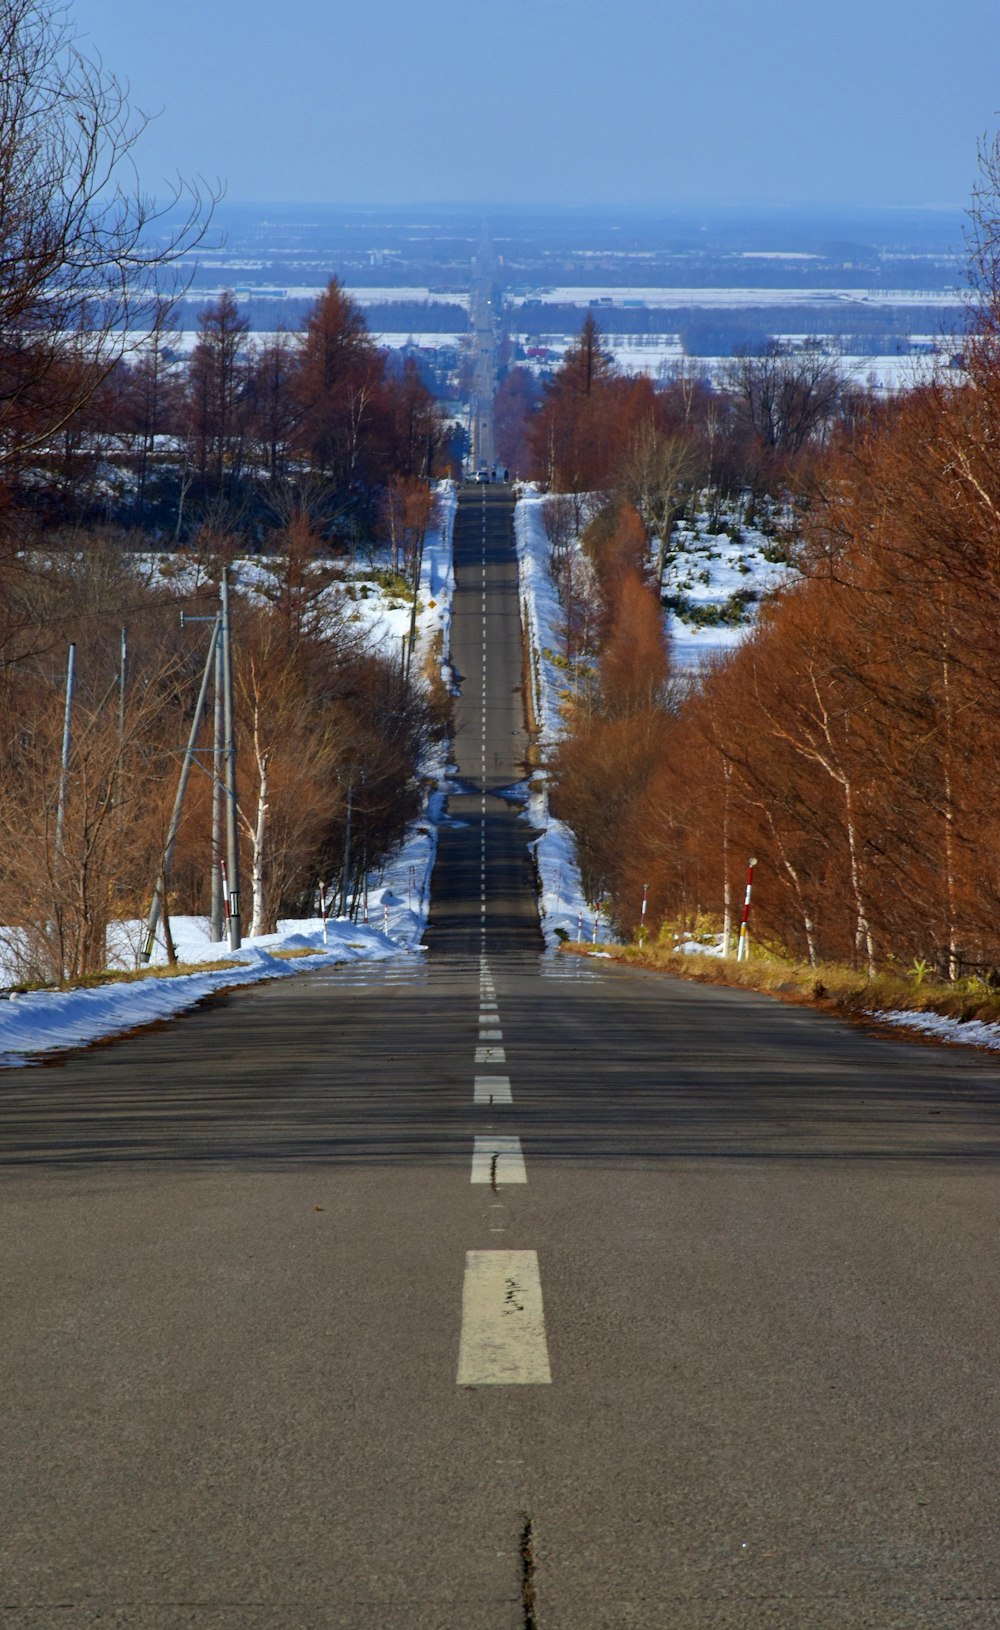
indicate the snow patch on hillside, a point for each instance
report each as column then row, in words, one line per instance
column 719, row 572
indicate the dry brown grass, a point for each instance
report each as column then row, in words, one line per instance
column 831, row 986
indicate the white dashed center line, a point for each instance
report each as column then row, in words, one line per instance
column 498, row 1160
column 503, row 1324
column 503, row 1338
column 492, row 1089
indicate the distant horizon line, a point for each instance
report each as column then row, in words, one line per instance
column 483, row 207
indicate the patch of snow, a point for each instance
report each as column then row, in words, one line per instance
column 967, row 1032
column 541, row 610
column 46, row 1021
column 563, row 909
column 719, row 577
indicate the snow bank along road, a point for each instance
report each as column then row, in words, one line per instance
column 500, row 1290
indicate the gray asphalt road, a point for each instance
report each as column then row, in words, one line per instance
column 710, row 1340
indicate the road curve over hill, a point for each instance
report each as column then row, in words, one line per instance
column 500, row 1291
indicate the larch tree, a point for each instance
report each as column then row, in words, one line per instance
column 218, row 380
column 336, row 387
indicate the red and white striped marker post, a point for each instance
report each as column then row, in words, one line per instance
column 743, row 948
column 322, row 908
column 385, row 919
column 596, row 910
column 642, row 924
column 579, row 928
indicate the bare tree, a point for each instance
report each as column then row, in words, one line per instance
column 787, row 396
column 83, row 262
column 659, row 477
column 984, row 229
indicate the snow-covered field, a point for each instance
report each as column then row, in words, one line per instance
column 659, row 357
column 668, row 299
column 395, row 339
column 184, row 340
column 361, row 294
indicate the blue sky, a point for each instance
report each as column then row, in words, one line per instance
column 561, row 101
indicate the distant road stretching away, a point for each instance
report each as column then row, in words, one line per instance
column 499, row 1291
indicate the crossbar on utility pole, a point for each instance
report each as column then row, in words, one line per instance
column 159, row 893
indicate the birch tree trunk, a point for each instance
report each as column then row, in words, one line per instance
column 257, row 854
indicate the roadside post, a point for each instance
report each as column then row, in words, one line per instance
column 743, row 948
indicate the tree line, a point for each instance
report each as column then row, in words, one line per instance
column 231, row 428
column 849, row 744
column 321, row 721
column 774, row 407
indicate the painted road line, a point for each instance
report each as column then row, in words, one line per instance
column 491, row 1035
column 497, row 1160
column 491, row 1089
column 503, row 1324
